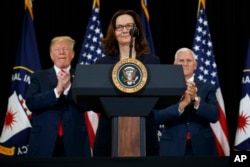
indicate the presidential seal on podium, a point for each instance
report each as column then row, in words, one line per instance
column 129, row 75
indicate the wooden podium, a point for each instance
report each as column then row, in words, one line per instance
column 93, row 86
column 128, row 136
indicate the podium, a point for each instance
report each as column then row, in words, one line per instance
column 94, row 87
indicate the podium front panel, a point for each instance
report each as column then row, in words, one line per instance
column 94, row 82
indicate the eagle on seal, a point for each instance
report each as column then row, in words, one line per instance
column 129, row 74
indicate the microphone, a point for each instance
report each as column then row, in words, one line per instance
column 134, row 32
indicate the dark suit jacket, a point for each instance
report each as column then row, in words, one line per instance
column 173, row 139
column 47, row 111
column 102, row 145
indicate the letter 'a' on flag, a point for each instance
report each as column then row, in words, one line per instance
column 92, row 50
column 207, row 72
column 146, row 26
column 17, row 126
column 242, row 136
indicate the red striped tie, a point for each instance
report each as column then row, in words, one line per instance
column 60, row 127
column 188, row 136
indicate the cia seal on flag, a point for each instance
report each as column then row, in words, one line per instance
column 129, row 75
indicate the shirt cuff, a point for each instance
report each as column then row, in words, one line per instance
column 57, row 95
column 66, row 91
column 180, row 111
column 196, row 106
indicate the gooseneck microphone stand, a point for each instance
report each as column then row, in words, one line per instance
column 133, row 33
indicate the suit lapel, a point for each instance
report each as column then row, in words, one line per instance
column 52, row 76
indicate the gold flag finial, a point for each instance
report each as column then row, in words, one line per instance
column 203, row 3
column 96, row 2
column 145, row 9
column 28, row 5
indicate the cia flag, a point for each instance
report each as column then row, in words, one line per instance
column 16, row 129
column 207, row 72
column 242, row 137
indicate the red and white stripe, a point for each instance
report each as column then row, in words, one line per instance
column 220, row 128
column 92, row 120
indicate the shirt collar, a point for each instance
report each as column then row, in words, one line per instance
column 191, row 78
column 58, row 69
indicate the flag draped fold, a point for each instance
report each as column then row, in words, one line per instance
column 207, row 72
column 16, row 128
column 92, row 50
column 242, row 137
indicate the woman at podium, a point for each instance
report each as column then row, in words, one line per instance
column 125, row 30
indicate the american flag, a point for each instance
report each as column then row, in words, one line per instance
column 207, row 72
column 91, row 47
column 242, row 137
column 91, row 51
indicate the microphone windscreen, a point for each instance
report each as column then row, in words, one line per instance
column 134, row 32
